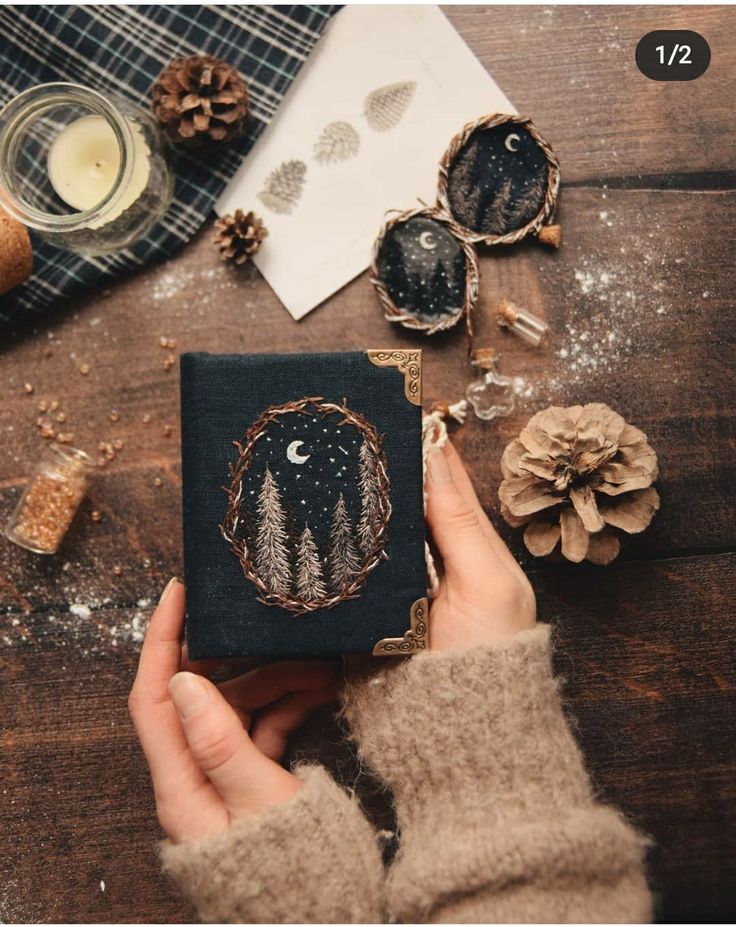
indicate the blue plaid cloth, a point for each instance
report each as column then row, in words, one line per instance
column 122, row 49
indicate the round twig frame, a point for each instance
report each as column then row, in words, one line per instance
column 230, row 528
column 545, row 214
column 394, row 313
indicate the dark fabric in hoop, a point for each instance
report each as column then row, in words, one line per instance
column 221, row 396
column 122, row 49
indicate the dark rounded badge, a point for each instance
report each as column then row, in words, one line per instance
column 672, row 54
column 425, row 273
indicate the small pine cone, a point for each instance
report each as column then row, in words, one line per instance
column 200, row 99
column 239, row 236
column 578, row 477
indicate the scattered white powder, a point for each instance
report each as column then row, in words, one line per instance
column 81, row 611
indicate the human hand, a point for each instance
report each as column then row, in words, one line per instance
column 212, row 750
column 484, row 597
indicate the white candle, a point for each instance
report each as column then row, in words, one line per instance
column 84, row 160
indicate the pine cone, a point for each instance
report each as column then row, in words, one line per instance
column 200, row 99
column 578, row 476
column 240, row 235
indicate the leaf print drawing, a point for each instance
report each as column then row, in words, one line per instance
column 385, row 106
column 338, row 141
column 284, row 186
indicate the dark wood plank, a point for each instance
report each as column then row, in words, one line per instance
column 650, row 330
column 648, row 653
column 644, row 643
column 572, row 69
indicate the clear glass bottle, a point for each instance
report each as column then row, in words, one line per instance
column 50, row 500
column 87, row 171
column 528, row 326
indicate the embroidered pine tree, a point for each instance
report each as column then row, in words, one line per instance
column 309, row 582
column 369, row 498
column 271, row 550
column 343, row 557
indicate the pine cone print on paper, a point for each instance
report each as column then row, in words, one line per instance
column 283, row 188
column 385, row 107
column 308, row 504
column 338, row 141
column 200, row 99
column 579, row 477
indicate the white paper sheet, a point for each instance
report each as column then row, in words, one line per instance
column 328, row 236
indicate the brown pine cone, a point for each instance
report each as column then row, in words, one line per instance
column 577, row 477
column 239, row 236
column 200, row 99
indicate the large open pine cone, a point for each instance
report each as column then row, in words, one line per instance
column 577, row 476
column 200, row 99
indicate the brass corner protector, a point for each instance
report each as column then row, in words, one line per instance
column 409, row 363
column 414, row 640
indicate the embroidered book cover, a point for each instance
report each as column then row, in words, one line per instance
column 303, row 512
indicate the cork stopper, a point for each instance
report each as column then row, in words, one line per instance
column 16, row 256
column 485, row 358
column 507, row 313
column 550, row 235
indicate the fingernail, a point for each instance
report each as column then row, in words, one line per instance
column 188, row 694
column 167, row 589
column 437, row 466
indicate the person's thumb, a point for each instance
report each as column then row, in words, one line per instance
column 455, row 527
column 246, row 780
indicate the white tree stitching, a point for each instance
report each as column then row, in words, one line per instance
column 342, row 557
column 272, row 554
column 370, row 513
column 309, row 582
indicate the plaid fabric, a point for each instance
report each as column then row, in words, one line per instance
column 122, row 49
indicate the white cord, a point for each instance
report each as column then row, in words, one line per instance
column 434, row 435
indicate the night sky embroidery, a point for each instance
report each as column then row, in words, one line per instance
column 309, row 504
column 498, row 181
column 423, row 266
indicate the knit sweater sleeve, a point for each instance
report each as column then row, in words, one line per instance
column 497, row 818
column 312, row 859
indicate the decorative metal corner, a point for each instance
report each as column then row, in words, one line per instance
column 409, row 363
column 414, row 640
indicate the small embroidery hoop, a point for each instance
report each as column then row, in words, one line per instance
column 472, row 275
column 545, row 214
column 309, row 405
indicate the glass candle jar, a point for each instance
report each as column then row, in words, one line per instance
column 86, row 171
column 51, row 499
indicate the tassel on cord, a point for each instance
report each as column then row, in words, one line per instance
column 434, row 435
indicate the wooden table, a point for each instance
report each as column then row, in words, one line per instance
column 640, row 303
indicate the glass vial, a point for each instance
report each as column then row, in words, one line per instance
column 492, row 394
column 86, row 171
column 528, row 326
column 51, row 499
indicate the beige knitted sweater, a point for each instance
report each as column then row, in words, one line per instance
column 497, row 818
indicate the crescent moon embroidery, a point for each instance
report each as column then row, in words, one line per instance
column 510, row 139
column 428, row 241
column 292, row 453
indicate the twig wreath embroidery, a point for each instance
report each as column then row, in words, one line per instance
column 308, row 504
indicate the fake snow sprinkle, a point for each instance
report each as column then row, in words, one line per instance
column 81, row 611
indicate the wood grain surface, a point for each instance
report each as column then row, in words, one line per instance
column 640, row 302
